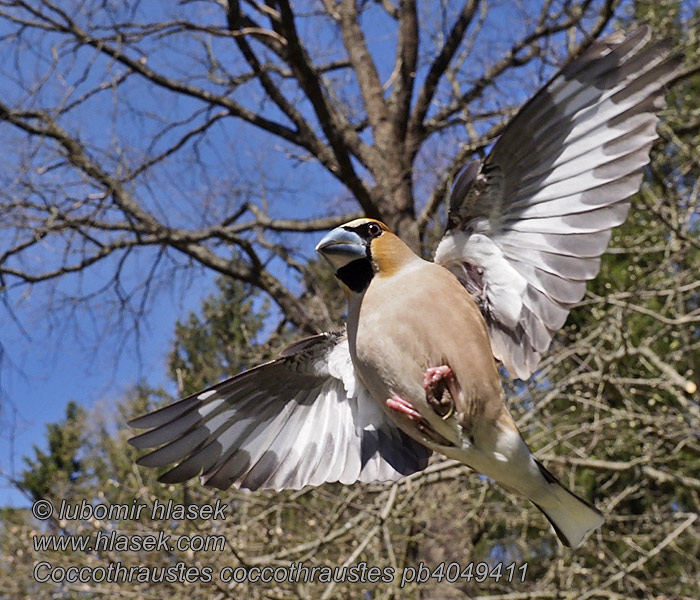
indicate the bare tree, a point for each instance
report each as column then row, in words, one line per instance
column 123, row 120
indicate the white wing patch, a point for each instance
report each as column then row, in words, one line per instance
column 504, row 286
column 340, row 367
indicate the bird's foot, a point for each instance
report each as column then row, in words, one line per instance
column 436, row 382
column 404, row 407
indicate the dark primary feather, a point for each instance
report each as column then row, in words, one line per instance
column 539, row 212
column 302, row 419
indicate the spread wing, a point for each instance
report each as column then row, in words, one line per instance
column 303, row 419
column 527, row 228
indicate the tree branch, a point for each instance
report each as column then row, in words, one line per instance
column 439, row 66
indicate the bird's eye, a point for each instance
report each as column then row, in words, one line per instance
column 374, row 230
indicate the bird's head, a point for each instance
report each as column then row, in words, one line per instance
column 361, row 249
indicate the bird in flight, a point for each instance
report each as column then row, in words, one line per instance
column 416, row 369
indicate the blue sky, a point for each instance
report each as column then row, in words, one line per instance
column 86, row 353
column 83, row 354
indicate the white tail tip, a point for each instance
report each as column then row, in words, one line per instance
column 571, row 517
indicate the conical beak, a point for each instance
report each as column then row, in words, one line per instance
column 341, row 246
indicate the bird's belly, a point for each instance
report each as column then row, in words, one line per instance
column 398, row 332
column 390, row 370
column 390, row 366
column 394, row 364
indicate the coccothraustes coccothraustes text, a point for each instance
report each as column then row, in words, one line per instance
column 417, row 369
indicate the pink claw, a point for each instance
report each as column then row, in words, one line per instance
column 405, row 407
column 434, row 374
column 435, row 382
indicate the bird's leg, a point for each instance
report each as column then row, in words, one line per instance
column 436, row 381
column 405, row 408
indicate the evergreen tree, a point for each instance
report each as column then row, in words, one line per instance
column 49, row 473
column 221, row 340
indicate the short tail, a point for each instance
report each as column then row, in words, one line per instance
column 571, row 517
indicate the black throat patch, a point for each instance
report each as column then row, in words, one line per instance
column 357, row 274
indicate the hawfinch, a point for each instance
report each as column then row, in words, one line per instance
column 417, row 369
